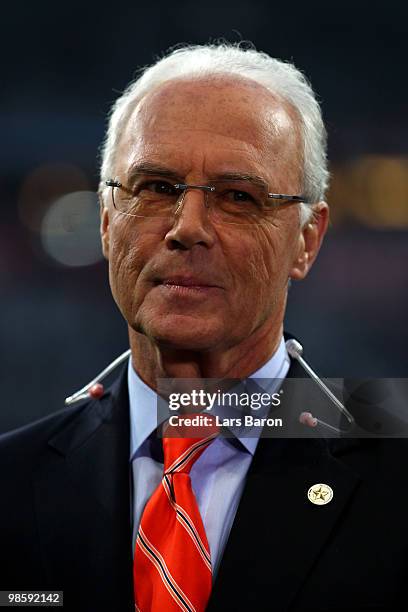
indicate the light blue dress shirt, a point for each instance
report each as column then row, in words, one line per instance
column 217, row 477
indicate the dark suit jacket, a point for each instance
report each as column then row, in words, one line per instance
column 65, row 518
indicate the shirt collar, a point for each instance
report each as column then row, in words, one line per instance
column 268, row 378
column 143, row 410
column 143, row 405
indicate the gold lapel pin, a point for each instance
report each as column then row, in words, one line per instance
column 320, row 494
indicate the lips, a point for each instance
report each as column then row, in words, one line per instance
column 187, row 281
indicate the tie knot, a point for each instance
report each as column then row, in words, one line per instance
column 184, row 442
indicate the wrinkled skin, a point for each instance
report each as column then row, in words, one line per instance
column 200, row 129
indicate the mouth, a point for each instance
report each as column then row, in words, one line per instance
column 187, row 281
column 187, row 285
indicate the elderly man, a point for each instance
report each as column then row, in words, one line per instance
column 212, row 200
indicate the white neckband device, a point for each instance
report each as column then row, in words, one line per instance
column 95, row 389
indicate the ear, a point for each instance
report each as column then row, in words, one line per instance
column 310, row 240
column 104, row 226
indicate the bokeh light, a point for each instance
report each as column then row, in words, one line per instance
column 70, row 230
column 372, row 190
column 43, row 186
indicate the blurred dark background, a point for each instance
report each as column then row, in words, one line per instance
column 64, row 64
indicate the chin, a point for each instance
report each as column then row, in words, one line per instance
column 183, row 332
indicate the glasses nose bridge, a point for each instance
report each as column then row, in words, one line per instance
column 206, row 189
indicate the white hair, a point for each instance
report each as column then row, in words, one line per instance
column 279, row 77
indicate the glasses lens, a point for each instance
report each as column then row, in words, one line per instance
column 147, row 197
column 240, row 202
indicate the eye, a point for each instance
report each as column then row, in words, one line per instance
column 240, row 196
column 240, row 199
column 156, row 187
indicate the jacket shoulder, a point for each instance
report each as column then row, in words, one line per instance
column 17, row 445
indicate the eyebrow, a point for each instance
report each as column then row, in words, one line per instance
column 152, row 169
column 240, row 176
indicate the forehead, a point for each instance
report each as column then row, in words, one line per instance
column 221, row 120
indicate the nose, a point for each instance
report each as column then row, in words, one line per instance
column 191, row 223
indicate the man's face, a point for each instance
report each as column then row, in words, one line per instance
column 191, row 283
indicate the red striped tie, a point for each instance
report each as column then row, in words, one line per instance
column 172, row 564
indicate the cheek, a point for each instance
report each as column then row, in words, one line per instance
column 259, row 256
column 129, row 251
column 262, row 261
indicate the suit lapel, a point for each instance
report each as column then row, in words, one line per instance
column 83, row 504
column 278, row 533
